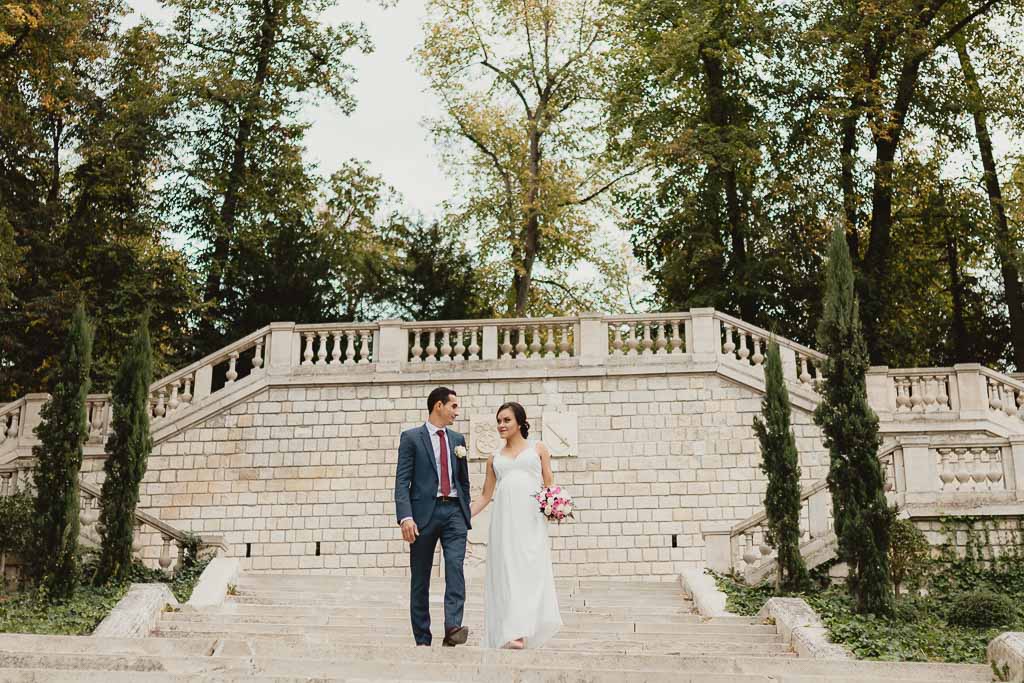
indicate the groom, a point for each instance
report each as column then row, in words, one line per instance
column 432, row 503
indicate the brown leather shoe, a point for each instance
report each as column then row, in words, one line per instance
column 457, row 635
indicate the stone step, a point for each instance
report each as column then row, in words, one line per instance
column 294, row 642
column 401, row 596
column 401, row 622
column 233, row 607
column 327, row 581
column 469, row 664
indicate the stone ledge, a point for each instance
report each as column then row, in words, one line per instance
column 709, row 601
column 213, row 583
column 1006, row 655
column 799, row 625
column 135, row 615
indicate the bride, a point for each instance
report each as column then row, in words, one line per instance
column 520, row 604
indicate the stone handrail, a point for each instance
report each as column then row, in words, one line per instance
column 11, row 420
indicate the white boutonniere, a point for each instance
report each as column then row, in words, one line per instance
column 461, row 452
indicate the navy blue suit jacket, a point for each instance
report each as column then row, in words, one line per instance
column 417, row 478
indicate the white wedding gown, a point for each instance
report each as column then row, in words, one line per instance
column 519, row 589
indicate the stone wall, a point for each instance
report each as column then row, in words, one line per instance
column 984, row 537
column 289, row 468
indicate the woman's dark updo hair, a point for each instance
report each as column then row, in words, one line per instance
column 520, row 414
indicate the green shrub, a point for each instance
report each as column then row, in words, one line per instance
column 982, row 609
column 908, row 554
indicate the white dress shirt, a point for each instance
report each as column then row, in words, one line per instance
column 435, row 442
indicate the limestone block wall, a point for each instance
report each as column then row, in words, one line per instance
column 987, row 537
column 298, row 469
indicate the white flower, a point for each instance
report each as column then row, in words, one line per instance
column 547, row 509
column 460, row 452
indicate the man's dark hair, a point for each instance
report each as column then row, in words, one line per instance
column 442, row 394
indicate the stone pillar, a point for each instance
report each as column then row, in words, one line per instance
column 203, row 384
column 971, row 392
column 1017, row 464
column 393, row 349
column 592, row 339
column 789, row 369
column 878, row 383
column 817, row 513
column 705, row 335
column 919, row 467
column 717, row 546
column 30, row 416
column 489, row 343
column 281, row 356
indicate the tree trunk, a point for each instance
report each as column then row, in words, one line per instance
column 720, row 116
column 956, row 289
column 846, row 182
column 236, row 174
column 523, row 279
column 1004, row 243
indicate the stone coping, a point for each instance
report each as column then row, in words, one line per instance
column 709, row 601
column 219, row 575
column 135, row 615
column 1006, row 655
column 800, row 626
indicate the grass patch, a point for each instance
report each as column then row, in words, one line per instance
column 31, row 612
column 920, row 630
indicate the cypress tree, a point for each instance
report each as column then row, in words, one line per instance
column 62, row 434
column 862, row 516
column 780, row 463
column 128, row 450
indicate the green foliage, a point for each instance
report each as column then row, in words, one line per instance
column 77, row 615
column 16, row 532
column 62, row 436
column 909, row 552
column 128, row 450
column 981, row 609
column 741, row 598
column 862, row 516
column 781, row 464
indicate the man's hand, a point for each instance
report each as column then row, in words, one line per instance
column 409, row 531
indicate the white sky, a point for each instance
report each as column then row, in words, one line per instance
column 391, row 101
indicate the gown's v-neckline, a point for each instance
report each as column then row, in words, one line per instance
column 517, row 454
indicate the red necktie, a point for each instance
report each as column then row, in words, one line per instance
column 446, row 486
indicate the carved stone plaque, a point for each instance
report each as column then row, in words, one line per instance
column 561, row 433
column 483, row 437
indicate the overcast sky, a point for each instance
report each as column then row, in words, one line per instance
column 392, row 99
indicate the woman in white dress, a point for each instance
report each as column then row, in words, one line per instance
column 520, row 603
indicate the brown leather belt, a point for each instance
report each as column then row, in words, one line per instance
column 447, row 499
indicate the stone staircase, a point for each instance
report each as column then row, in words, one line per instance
column 301, row 628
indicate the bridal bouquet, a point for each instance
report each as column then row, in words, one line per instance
column 554, row 503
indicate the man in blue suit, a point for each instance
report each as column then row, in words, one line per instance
column 431, row 504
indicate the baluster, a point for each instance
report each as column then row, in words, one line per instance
column 1009, row 401
column 3, row 428
column 174, row 401
column 307, row 354
column 805, row 375
column 136, row 536
column 660, row 340
column 446, row 347
column 758, row 357
column 321, row 353
column 632, row 342
column 563, row 344
column 1020, row 405
column 521, row 343
column 750, row 555
column 232, row 373
column 181, row 555
column 431, row 347
column 676, row 342
column 549, row 343
column 929, row 393
column 963, row 474
column 459, row 351
column 350, row 347
column 186, row 395
column 165, row 552
column 474, row 347
column 902, row 393
column 5, row 484
column 995, row 468
column 535, row 345
column 916, row 399
column 417, row 350
column 647, row 343
column 617, row 342
column 506, row 345
column 728, row 347
column 994, row 400
column 364, row 347
column 744, row 352
column 257, row 356
column 335, row 336
column 161, row 407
